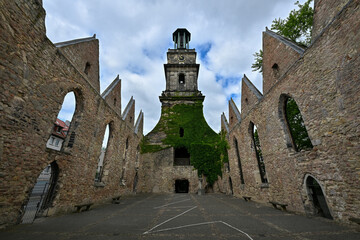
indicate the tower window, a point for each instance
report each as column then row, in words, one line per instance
column 181, row 132
column 182, row 78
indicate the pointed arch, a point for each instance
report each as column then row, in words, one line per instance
column 292, row 121
column 236, row 146
column 104, row 152
column 42, row 194
column 259, row 156
column 315, row 192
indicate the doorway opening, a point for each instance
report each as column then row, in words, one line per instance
column 318, row 199
column 181, row 186
column 42, row 194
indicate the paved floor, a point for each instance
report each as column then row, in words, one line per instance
column 181, row 216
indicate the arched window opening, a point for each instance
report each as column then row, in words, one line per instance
column 181, row 157
column 296, row 126
column 182, row 78
column 60, row 128
column 114, row 101
column 258, row 152
column 42, row 194
column 316, row 195
column 101, row 161
column 181, row 132
column 275, row 69
column 87, row 68
column 239, row 161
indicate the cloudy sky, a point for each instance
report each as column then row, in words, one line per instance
column 135, row 35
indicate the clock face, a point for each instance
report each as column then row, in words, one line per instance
column 181, row 58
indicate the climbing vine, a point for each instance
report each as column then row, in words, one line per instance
column 208, row 150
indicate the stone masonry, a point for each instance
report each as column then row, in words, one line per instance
column 35, row 77
column 324, row 81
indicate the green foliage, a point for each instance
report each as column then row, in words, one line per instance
column 298, row 25
column 257, row 65
column 296, row 125
column 208, row 150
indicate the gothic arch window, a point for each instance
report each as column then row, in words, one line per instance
column 236, row 146
column 61, row 126
column 181, row 78
column 293, row 123
column 104, row 153
column 257, row 148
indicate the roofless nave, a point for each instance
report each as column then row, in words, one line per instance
column 265, row 160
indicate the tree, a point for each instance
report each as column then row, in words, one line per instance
column 297, row 127
column 297, row 27
column 257, row 65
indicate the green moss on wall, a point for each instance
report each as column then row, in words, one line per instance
column 208, row 150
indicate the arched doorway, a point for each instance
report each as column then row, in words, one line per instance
column 181, row 186
column 42, row 194
column 316, row 195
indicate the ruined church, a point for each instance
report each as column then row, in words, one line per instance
column 263, row 160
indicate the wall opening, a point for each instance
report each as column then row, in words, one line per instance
column 295, row 126
column 181, row 157
column 136, row 178
column 276, row 71
column 181, row 132
column 239, row 161
column 259, row 156
column 181, row 186
column 60, row 128
column 182, row 78
column 87, row 68
column 317, row 197
column 42, row 194
column 103, row 152
column 231, row 186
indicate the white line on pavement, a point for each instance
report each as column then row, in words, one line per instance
column 170, row 219
column 171, row 203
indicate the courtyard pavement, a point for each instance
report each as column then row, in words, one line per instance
column 181, row 216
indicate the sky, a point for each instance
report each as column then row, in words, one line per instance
column 135, row 35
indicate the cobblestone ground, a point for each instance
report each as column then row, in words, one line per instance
column 181, row 216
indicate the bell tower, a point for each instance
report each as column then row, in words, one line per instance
column 175, row 146
column 181, row 69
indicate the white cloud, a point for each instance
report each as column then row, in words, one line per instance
column 135, row 35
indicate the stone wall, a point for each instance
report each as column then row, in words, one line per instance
column 325, row 84
column 35, row 77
